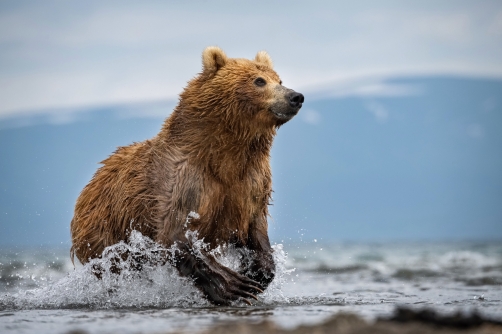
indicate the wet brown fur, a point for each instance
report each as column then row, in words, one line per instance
column 211, row 157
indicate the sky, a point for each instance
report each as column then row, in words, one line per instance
column 59, row 56
column 399, row 136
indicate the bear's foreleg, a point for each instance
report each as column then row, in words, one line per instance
column 260, row 265
column 218, row 283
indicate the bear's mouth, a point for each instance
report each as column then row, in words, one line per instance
column 286, row 115
column 285, row 111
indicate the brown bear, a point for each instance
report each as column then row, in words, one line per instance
column 211, row 157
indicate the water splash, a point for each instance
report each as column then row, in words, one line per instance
column 121, row 285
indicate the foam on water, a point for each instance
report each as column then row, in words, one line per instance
column 157, row 285
column 445, row 260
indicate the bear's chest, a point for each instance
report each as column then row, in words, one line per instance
column 227, row 211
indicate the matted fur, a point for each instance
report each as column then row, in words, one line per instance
column 211, row 157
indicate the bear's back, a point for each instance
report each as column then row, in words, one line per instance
column 117, row 200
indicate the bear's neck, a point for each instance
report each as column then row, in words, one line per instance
column 227, row 152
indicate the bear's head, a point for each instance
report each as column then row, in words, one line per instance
column 241, row 92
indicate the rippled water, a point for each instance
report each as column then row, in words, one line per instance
column 41, row 291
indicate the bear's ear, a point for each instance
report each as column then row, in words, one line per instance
column 213, row 58
column 262, row 57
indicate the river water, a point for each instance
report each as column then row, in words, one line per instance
column 42, row 292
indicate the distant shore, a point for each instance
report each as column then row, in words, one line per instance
column 405, row 321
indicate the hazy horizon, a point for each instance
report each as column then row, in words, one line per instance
column 421, row 163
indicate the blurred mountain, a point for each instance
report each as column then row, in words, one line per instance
column 423, row 163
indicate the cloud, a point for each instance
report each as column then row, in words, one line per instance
column 495, row 27
column 60, row 118
column 366, row 87
column 383, row 89
column 155, row 109
column 58, row 55
column 311, row 116
column 379, row 111
column 475, row 131
column 490, row 104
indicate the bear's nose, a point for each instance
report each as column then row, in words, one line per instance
column 295, row 99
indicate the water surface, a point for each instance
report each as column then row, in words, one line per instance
column 42, row 292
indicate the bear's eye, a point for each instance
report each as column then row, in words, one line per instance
column 280, row 82
column 260, row 82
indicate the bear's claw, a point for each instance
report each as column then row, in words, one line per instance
column 225, row 286
column 219, row 284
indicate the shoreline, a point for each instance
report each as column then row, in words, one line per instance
column 404, row 321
